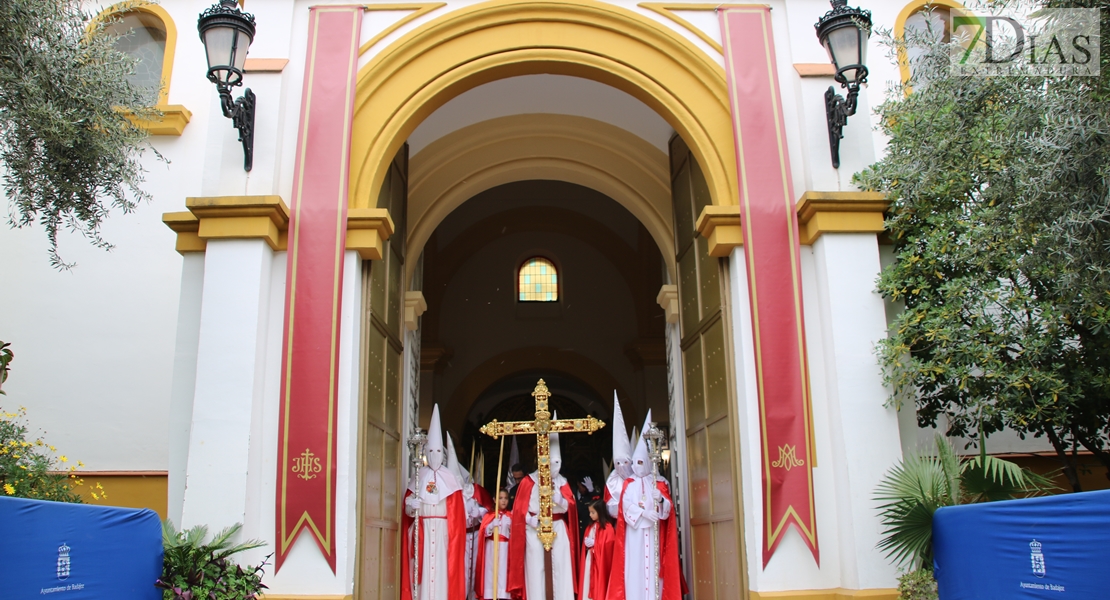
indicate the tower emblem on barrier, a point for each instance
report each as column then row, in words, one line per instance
column 1037, row 558
column 63, row 562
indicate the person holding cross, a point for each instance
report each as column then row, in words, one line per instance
column 529, row 575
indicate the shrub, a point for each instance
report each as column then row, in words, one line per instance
column 29, row 467
column 917, row 585
column 195, row 570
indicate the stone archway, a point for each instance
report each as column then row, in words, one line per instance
column 416, row 75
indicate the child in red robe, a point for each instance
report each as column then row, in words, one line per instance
column 494, row 526
column 597, row 551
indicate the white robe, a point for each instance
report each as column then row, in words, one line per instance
column 614, row 485
column 641, row 542
column 504, row 522
column 474, row 514
column 433, row 584
column 535, row 580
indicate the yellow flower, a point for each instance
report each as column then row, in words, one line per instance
column 53, row 449
column 80, row 464
column 63, row 458
column 9, row 489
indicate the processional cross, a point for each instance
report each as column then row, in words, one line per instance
column 541, row 426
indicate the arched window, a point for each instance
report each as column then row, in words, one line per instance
column 538, row 281
column 922, row 20
column 147, row 34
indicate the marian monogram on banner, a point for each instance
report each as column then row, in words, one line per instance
column 787, row 458
column 307, row 465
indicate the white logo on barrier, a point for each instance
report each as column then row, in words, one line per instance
column 63, row 562
column 1037, row 557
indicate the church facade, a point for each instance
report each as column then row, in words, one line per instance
column 449, row 201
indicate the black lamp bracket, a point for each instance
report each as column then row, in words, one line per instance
column 837, row 110
column 241, row 113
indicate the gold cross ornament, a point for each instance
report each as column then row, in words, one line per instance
column 541, row 426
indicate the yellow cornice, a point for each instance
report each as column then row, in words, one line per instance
column 266, row 218
column 840, row 212
column 367, row 231
column 240, row 217
column 720, row 225
column 172, row 122
column 185, row 224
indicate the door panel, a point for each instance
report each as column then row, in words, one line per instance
column 710, row 404
column 381, row 398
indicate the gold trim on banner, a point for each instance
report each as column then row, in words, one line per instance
column 774, row 529
column 287, row 538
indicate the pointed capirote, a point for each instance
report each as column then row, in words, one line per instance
column 622, row 449
column 641, row 459
column 433, row 449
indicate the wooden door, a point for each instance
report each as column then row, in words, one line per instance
column 712, row 448
column 381, row 372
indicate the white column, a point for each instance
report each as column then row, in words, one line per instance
column 862, row 433
column 183, row 385
column 230, row 368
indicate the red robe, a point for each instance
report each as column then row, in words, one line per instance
column 481, row 495
column 456, row 549
column 674, row 585
column 600, row 564
column 517, row 546
column 480, row 555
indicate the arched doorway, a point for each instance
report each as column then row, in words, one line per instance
column 407, row 83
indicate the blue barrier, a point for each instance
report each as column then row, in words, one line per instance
column 1051, row 547
column 75, row 551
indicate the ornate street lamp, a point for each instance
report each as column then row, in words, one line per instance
column 843, row 32
column 227, row 33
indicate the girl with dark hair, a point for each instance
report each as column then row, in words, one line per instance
column 597, row 550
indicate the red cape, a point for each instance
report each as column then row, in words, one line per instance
column 674, row 585
column 481, row 494
column 600, row 565
column 480, row 555
column 517, row 546
column 456, row 549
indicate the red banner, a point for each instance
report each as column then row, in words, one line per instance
column 771, row 248
column 314, row 279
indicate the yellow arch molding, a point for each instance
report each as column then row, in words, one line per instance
column 494, row 40
column 174, row 116
column 419, row 9
column 575, row 149
column 666, row 10
column 900, row 27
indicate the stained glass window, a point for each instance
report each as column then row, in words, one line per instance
column 538, row 281
column 142, row 37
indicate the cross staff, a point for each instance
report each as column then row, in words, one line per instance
column 541, row 426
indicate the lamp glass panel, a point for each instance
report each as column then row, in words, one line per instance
column 217, row 42
column 241, row 50
column 845, row 49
